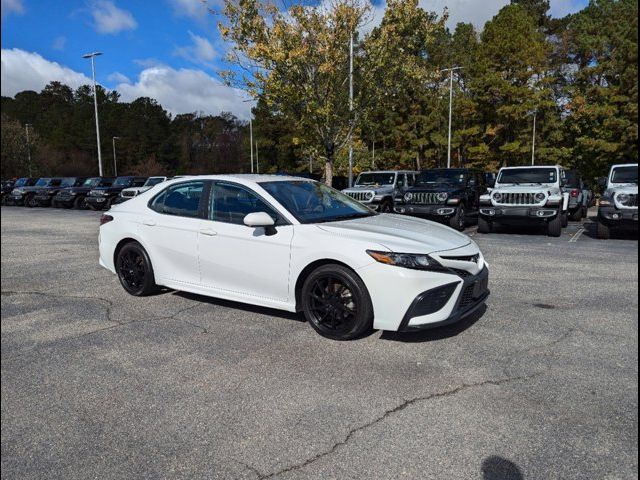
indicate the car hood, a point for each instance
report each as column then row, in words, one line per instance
column 629, row 189
column 76, row 189
column 372, row 188
column 399, row 233
column 435, row 189
column 526, row 188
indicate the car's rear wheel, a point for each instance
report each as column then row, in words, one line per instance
column 336, row 303
column 603, row 231
column 135, row 271
column 577, row 215
column 564, row 219
column 30, row 201
column 484, row 226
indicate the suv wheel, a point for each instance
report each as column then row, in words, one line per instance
column 30, row 201
column 564, row 219
column 135, row 271
column 603, row 231
column 458, row 221
column 80, row 203
column 386, row 206
column 554, row 227
column 484, row 226
column 577, row 215
column 336, row 303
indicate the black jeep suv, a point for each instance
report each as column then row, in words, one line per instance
column 25, row 195
column 101, row 198
column 45, row 197
column 447, row 195
column 75, row 197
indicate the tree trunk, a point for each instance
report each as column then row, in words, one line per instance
column 328, row 166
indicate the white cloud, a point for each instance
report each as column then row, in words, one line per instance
column 110, row 19
column 117, row 77
column 23, row 70
column 196, row 9
column 11, row 6
column 185, row 91
column 200, row 51
column 59, row 43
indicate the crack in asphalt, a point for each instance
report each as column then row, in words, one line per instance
column 405, row 404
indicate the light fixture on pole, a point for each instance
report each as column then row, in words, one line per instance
column 115, row 163
column 450, row 70
column 26, row 129
column 92, row 56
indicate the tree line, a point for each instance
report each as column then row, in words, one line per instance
column 577, row 76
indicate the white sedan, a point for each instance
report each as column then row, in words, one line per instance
column 296, row 245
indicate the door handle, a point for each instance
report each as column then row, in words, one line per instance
column 208, row 232
column 149, row 223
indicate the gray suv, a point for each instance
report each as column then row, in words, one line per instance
column 377, row 190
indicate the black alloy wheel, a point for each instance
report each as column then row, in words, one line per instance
column 386, row 207
column 30, row 201
column 134, row 270
column 80, row 203
column 458, row 221
column 336, row 303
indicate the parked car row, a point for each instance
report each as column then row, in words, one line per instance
column 96, row 193
column 544, row 195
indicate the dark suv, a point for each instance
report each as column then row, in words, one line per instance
column 75, row 197
column 449, row 196
column 9, row 185
column 25, row 195
column 45, row 196
column 101, row 198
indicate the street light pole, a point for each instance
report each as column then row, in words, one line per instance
column 450, row 70
column 251, row 141
column 350, row 109
column 533, row 139
column 95, row 105
column 115, row 164
column 26, row 128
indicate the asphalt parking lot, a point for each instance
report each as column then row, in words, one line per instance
column 99, row 384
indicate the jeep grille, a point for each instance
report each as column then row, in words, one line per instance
column 425, row 198
column 518, row 199
column 361, row 196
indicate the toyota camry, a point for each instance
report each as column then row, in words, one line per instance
column 297, row 245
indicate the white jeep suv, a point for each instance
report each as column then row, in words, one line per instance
column 619, row 204
column 525, row 196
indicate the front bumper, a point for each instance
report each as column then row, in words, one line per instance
column 97, row 202
column 65, row 200
column 43, row 200
column 429, row 211
column 612, row 216
column 14, row 200
column 518, row 214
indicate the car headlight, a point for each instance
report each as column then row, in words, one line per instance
column 370, row 195
column 497, row 196
column 540, row 197
column 408, row 197
column 442, row 196
column 415, row 261
column 72, row 193
column 622, row 198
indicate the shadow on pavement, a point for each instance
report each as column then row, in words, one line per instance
column 616, row 234
column 437, row 333
column 498, row 468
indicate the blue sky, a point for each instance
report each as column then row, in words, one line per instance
column 166, row 49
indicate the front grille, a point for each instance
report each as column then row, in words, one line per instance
column 518, row 199
column 462, row 273
column 128, row 194
column 422, row 198
column 360, row 196
column 465, row 258
column 466, row 299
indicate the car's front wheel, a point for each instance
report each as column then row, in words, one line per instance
column 336, row 303
column 554, row 227
column 458, row 221
column 135, row 271
column 603, row 232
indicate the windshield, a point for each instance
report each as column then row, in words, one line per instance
column 625, row 175
column 517, row 176
column 153, row 181
column 370, row 179
column 68, row 182
column 122, row 182
column 441, row 176
column 43, row 182
column 91, row 182
column 21, row 182
column 314, row 202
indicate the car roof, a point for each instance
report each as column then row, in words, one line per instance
column 624, row 165
column 534, row 166
column 388, row 171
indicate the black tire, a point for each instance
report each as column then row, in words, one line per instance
column 80, row 203
column 336, row 303
column 54, row 204
column 484, row 226
column 386, row 206
column 554, row 227
column 30, row 201
column 564, row 219
column 577, row 215
column 458, row 221
column 603, row 232
column 135, row 271
column 107, row 204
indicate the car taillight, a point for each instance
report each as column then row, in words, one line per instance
column 105, row 219
column 574, row 192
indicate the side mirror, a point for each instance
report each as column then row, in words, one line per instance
column 261, row 219
column 602, row 182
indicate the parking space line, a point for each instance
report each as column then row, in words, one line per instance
column 577, row 235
